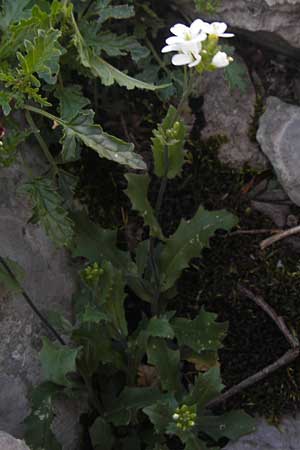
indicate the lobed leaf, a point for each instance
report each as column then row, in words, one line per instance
column 167, row 363
column 12, row 11
column 57, row 362
column 200, row 334
column 137, row 191
column 48, row 209
column 189, row 240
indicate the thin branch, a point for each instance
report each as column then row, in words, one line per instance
column 31, row 304
column 271, row 313
column 254, row 232
column 270, row 241
column 287, row 358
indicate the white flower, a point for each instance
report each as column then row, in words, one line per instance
column 221, row 59
column 175, row 416
column 187, row 42
column 216, row 28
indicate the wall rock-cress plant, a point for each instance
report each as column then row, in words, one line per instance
column 131, row 375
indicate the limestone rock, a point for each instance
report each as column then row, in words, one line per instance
column 230, row 113
column 8, row 442
column 274, row 23
column 279, row 137
column 50, row 282
column 268, row 437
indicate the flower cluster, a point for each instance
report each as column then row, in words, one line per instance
column 185, row 417
column 197, row 45
column 92, row 273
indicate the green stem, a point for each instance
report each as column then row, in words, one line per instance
column 161, row 63
column 155, row 270
column 41, row 141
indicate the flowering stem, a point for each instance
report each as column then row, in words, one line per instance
column 155, row 270
column 187, row 88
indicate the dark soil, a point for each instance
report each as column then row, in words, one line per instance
column 253, row 340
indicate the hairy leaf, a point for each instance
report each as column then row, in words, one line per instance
column 232, row 425
column 167, row 363
column 95, row 243
column 82, row 128
column 38, row 432
column 189, row 240
column 130, row 400
column 57, row 361
column 12, row 11
column 107, row 11
column 200, row 334
column 105, row 71
column 207, row 386
column 137, row 191
column 120, row 45
column 160, row 414
column 71, row 101
column 167, row 145
column 48, row 209
column 101, row 435
column 160, row 327
column 42, row 57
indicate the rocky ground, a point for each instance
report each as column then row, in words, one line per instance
column 246, row 157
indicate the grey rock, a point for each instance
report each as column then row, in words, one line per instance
column 8, row 442
column 274, row 23
column 230, row 113
column 277, row 213
column 50, row 282
column 268, row 437
column 279, row 137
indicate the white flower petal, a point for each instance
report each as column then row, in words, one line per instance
column 226, row 35
column 218, row 28
column 179, row 29
column 174, row 40
column 196, row 62
column 206, row 27
column 220, row 60
column 181, row 60
column 170, row 48
column 196, row 26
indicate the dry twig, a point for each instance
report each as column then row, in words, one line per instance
column 288, row 357
column 284, row 234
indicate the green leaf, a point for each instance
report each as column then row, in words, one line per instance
column 12, row 11
column 5, row 99
column 38, row 432
column 105, row 71
column 48, row 209
column 57, row 361
column 207, row 386
column 71, row 101
column 42, row 57
column 101, row 434
column 232, row 425
column 236, row 74
column 95, row 243
column 96, row 347
column 160, row 414
column 170, row 135
column 167, row 363
column 137, row 192
column 6, row 280
column 107, row 11
column 189, row 240
column 82, row 128
column 120, row 45
column 131, row 400
column 160, row 327
column 93, row 314
column 59, row 322
column 193, row 443
column 200, row 334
